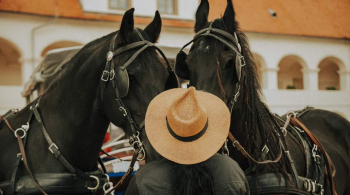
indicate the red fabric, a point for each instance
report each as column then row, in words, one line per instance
column 107, row 138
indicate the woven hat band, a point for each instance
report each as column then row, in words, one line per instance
column 189, row 138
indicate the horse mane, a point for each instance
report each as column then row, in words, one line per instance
column 192, row 179
column 259, row 122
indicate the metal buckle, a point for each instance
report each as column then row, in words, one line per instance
column 111, row 75
column 136, row 143
column 225, row 150
column 122, row 109
column 51, row 146
column 105, row 76
column 108, row 186
column 284, row 131
column 233, row 143
column 97, row 185
column 265, row 150
column 237, row 94
column 20, row 129
column 242, row 61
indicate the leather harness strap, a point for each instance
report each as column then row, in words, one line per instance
column 24, row 157
column 126, row 175
column 329, row 164
column 241, row 149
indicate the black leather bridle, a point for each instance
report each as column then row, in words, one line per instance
column 232, row 42
column 118, row 75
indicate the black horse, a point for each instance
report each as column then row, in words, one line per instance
column 221, row 63
column 78, row 106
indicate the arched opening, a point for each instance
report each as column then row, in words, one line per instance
column 260, row 66
column 328, row 76
column 10, row 66
column 59, row 44
column 290, row 74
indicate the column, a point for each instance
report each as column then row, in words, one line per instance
column 344, row 80
column 28, row 68
column 310, row 79
column 270, row 79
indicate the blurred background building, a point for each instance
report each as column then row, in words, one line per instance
column 302, row 47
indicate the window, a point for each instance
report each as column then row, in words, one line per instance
column 167, row 6
column 119, row 4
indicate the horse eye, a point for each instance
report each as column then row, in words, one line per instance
column 229, row 63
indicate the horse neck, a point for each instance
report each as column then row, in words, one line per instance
column 72, row 111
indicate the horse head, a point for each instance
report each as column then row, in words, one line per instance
column 220, row 62
column 135, row 74
column 215, row 60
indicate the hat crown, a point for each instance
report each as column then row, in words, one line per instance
column 186, row 117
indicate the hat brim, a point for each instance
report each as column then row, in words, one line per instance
column 187, row 152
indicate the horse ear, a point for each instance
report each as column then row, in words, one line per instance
column 230, row 18
column 202, row 15
column 154, row 28
column 126, row 28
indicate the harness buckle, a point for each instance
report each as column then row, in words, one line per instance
column 53, row 148
column 105, row 76
column 315, row 155
column 108, row 186
column 20, row 129
column 284, row 131
column 234, row 143
column 265, row 150
column 242, row 61
column 136, row 143
column 225, row 150
column 93, row 189
column 122, row 109
column 112, row 75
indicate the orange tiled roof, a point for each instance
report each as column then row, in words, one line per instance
column 73, row 9
column 318, row 18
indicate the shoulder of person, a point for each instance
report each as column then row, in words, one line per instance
column 154, row 166
column 223, row 160
column 224, row 165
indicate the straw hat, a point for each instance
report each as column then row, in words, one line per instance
column 187, row 126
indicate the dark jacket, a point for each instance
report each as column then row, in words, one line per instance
column 155, row 177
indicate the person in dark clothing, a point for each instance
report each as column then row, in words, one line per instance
column 188, row 127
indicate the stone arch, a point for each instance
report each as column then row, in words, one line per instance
column 261, row 66
column 328, row 75
column 59, row 44
column 290, row 73
column 10, row 65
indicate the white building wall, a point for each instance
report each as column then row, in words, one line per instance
column 143, row 8
column 271, row 48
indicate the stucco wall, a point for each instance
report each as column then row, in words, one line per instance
column 270, row 48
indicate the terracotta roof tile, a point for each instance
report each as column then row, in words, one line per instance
column 319, row 18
